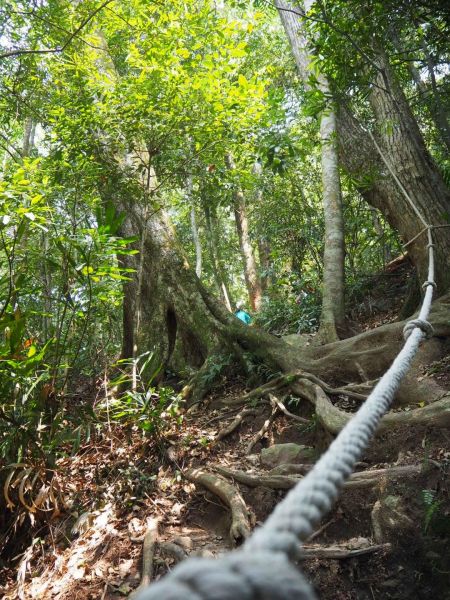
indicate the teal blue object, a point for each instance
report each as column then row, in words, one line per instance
column 243, row 316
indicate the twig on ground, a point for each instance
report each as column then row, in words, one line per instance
column 267, row 423
column 246, row 412
column 282, row 407
column 320, row 530
column 340, row 552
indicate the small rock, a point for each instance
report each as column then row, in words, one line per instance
column 390, row 584
column 183, row 541
column 253, row 459
column 389, row 519
column 281, row 454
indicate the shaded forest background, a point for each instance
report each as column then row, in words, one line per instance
column 163, row 162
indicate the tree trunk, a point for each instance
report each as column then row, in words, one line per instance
column 197, row 244
column 250, row 271
column 28, row 137
column 333, row 307
column 402, row 144
column 263, row 243
column 437, row 107
column 170, row 309
column 265, row 263
column 220, row 276
column 194, row 229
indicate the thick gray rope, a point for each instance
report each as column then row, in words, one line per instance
column 262, row 569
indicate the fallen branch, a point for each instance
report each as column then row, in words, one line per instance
column 340, row 552
column 284, row 410
column 148, row 550
column 261, row 391
column 230, row 495
column 235, row 423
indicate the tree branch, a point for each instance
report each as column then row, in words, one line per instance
column 66, row 43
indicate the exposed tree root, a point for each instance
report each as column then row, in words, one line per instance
column 363, row 479
column 236, row 422
column 148, row 550
column 340, row 552
column 230, row 495
column 334, row 419
column 346, row 391
column 290, row 380
column 290, row 469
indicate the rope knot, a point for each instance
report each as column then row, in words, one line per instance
column 425, row 326
column 236, row 575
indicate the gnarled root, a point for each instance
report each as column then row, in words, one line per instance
column 363, row 479
column 334, row 419
column 230, row 495
column 275, row 401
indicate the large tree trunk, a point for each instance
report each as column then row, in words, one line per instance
column 171, row 308
column 248, row 258
column 403, row 147
column 333, row 307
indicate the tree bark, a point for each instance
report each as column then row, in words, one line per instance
column 333, row 307
column 194, row 228
column 265, row 263
column 220, row 275
column 252, row 280
column 28, row 136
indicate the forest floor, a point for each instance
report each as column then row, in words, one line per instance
column 386, row 540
